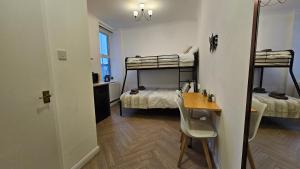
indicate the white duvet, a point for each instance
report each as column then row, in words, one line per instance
column 182, row 57
column 273, row 55
column 148, row 99
column 279, row 108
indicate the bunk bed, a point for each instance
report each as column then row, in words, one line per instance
column 158, row 98
column 289, row 108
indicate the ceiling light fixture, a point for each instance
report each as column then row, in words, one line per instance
column 142, row 14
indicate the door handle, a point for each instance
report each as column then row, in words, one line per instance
column 46, row 96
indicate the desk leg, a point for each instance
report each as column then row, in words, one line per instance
column 190, row 111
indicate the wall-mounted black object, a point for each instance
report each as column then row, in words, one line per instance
column 95, row 77
column 213, row 41
column 102, row 103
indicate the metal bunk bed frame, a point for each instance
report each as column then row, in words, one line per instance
column 282, row 63
column 159, row 66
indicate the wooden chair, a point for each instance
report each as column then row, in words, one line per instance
column 254, row 125
column 197, row 129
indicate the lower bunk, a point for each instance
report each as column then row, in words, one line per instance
column 154, row 99
column 289, row 108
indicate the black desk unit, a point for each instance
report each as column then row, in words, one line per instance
column 101, row 99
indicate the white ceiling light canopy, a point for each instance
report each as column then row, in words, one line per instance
column 139, row 15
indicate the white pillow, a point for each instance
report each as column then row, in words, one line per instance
column 191, row 90
column 194, row 50
column 185, row 88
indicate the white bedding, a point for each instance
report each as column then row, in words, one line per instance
column 164, row 61
column 274, row 58
column 279, row 108
column 148, row 99
column 273, row 54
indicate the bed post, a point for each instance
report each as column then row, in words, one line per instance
column 292, row 73
column 123, row 85
column 179, row 72
column 261, row 77
column 125, row 76
column 196, row 68
column 120, row 105
column 138, row 78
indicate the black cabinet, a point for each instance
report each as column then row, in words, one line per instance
column 102, row 103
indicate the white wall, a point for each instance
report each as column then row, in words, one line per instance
column 94, row 43
column 166, row 38
column 275, row 32
column 296, row 46
column 225, row 72
column 67, row 26
column 116, row 59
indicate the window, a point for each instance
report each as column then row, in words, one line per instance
column 105, row 67
column 104, row 53
column 104, row 47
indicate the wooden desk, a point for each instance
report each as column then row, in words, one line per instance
column 198, row 101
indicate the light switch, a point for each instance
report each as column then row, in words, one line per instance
column 62, row 54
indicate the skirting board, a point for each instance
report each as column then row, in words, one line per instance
column 86, row 158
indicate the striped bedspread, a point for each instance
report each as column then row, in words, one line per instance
column 279, row 108
column 149, row 99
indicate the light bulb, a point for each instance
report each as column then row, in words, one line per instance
column 135, row 13
column 150, row 12
column 142, row 6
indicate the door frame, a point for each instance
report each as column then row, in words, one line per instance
column 250, row 81
column 53, row 104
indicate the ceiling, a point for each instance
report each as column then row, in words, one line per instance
column 289, row 6
column 118, row 13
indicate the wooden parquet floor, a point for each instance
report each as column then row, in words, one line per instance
column 277, row 144
column 143, row 140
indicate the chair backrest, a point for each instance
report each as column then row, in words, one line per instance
column 183, row 113
column 255, row 118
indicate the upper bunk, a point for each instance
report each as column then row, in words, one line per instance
column 174, row 61
column 282, row 58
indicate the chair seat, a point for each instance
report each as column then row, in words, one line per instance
column 200, row 113
column 200, row 129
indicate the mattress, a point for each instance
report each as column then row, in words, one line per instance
column 185, row 60
column 279, row 108
column 150, row 99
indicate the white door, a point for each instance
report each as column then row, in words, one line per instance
column 28, row 137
